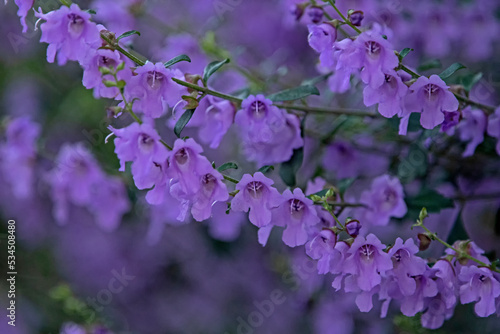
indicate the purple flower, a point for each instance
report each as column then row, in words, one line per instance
column 494, row 127
column 297, row 213
column 186, row 166
column 430, row 97
column 215, row 117
column 269, row 134
column 321, row 37
column 24, row 8
column 92, row 77
column 75, row 179
column 211, row 190
column 479, row 286
column 389, row 95
column 341, row 157
column 367, row 261
column 451, row 119
column 257, row 195
column 109, row 203
column 18, row 155
column 141, row 144
column 384, row 200
column 425, row 287
column 322, row 248
column 154, row 89
column 441, row 306
column 374, row 55
column 406, row 265
column 472, row 129
column 69, row 33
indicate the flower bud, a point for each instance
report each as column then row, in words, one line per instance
column 423, row 241
column 298, row 10
column 353, row 227
column 315, row 14
column 355, row 17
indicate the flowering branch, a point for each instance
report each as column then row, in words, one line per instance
column 458, row 253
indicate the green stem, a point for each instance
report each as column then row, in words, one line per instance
column 230, row 179
column 344, row 18
column 117, row 47
column 67, row 3
column 410, row 72
column 457, row 252
column 207, row 91
column 316, row 110
column 166, row 145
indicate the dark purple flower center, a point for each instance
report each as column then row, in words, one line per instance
column 257, row 109
column 155, row 79
column 181, row 156
column 372, row 48
column 255, row 189
column 316, row 14
column 367, row 252
column 76, row 24
column 146, row 143
column 431, row 91
column 104, row 61
column 296, row 208
column 399, row 257
column 208, row 182
column 482, row 278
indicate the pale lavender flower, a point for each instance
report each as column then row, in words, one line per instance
column 69, row 33
column 256, row 195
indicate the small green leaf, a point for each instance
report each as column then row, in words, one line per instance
column 316, row 80
column 344, row 184
column 121, row 84
column 109, row 83
column 289, row 169
column 450, row 70
column 266, row 169
column 183, row 121
column 431, row 200
column 128, row 34
column 177, row 59
column 294, row 93
column 320, row 194
column 212, row 68
column 429, row 65
column 91, row 11
column 192, row 102
column 105, row 70
column 470, row 80
column 226, row 166
column 405, row 52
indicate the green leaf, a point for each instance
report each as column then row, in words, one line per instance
column 450, row 70
column 344, row 184
column 431, row 200
column 320, row 193
column 177, row 59
column 183, row 121
column 266, row 169
column 470, row 80
column 405, row 52
column 226, row 166
column 289, row 169
column 429, row 65
column 128, row 34
column 316, row 80
column 294, row 93
column 212, row 68
column 91, row 11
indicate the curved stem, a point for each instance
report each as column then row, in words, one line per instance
column 344, row 18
